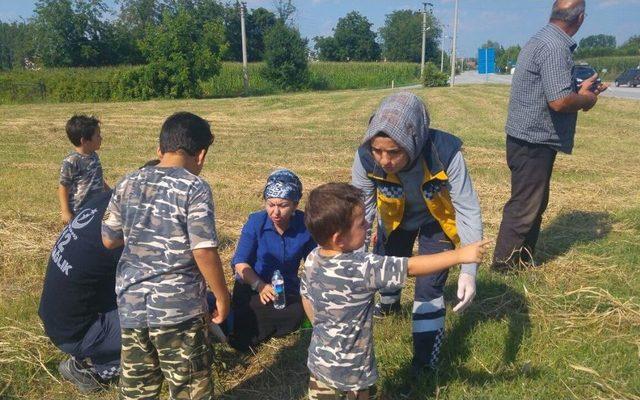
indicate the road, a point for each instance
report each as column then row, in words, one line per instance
column 472, row 78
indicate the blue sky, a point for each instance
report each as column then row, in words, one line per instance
column 505, row 21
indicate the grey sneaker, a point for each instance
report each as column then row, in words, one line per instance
column 84, row 379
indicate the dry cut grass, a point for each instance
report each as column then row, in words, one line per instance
column 566, row 329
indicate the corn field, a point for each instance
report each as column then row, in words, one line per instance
column 62, row 85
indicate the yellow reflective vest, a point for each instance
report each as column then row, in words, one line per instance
column 390, row 197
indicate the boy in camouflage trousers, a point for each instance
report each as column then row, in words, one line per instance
column 164, row 216
column 81, row 173
column 338, row 289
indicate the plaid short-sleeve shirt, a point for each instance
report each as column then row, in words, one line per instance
column 543, row 74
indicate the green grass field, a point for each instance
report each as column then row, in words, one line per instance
column 569, row 329
column 65, row 85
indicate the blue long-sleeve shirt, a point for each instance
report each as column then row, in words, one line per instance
column 265, row 250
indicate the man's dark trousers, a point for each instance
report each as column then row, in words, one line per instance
column 531, row 166
column 101, row 344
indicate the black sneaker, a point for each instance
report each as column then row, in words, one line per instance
column 84, row 379
column 382, row 310
column 419, row 371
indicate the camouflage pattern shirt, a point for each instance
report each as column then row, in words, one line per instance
column 82, row 174
column 342, row 291
column 162, row 214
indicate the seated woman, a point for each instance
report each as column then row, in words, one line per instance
column 273, row 239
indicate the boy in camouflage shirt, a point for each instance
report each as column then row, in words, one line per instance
column 338, row 288
column 164, row 216
column 81, row 172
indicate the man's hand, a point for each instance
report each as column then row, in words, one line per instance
column 601, row 88
column 466, row 291
column 267, row 293
column 584, row 99
column 590, row 98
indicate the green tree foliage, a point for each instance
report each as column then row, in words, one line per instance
column 631, row 47
column 15, row 44
column 353, row 40
column 597, row 46
column 134, row 18
column 72, row 33
column 285, row 9
column 326, row 48
column 286, row 57
column 598, row 41
column 508, row 58
column 138, row 15
column 402, row 37
column 179, row 56
column 202, row 11
column 257, row 22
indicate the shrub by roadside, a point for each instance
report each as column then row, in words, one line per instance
column 433, row 77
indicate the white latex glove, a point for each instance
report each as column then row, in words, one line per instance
column 466, row 291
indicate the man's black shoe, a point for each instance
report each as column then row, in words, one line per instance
column 84, row 379
column 502, row 267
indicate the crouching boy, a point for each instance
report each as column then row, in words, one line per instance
column 338, row 288
column 164, row 216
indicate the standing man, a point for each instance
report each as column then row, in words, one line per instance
column 543, row 110
column 415, row 180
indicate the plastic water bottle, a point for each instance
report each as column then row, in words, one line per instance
column 278, row 286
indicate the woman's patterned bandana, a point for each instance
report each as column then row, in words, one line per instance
column 283, row 184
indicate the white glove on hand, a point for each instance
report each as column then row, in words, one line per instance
column 466, row 291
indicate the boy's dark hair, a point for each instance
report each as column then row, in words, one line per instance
column 185, row 131
column 330, row 209
column 81, row 126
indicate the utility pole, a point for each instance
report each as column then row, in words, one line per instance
column 424, row 36
column 442, row 48
column 245, row 72
column 452, row 79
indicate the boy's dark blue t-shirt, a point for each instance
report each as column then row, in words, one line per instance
column 80, row 278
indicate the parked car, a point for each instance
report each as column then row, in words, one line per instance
column 629, row 77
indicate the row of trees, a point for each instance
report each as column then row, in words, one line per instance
column 87, row 33
column 605, row 45
column 353, row 39
column 176, row 43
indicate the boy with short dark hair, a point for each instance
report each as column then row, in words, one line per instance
column 81, row 173
column 338, row 289
column 164, row 215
